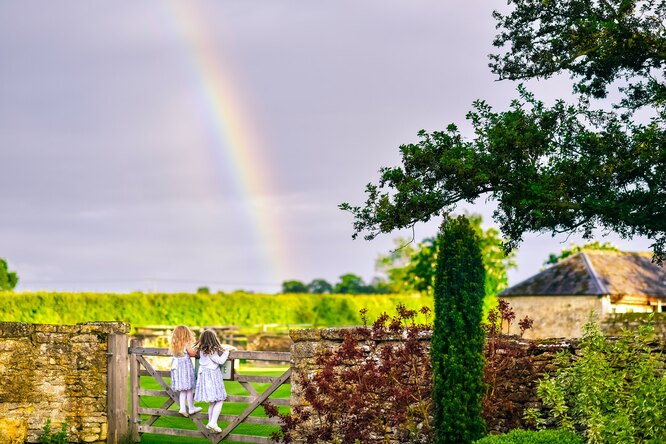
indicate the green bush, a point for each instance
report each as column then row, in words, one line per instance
column 532, row 437
column 48, row 436
column 242, row 309
column 613, row 391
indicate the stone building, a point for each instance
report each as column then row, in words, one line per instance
column 563, row 297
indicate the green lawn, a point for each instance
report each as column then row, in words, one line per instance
column 229, row 408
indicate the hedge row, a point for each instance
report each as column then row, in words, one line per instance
column 242, row 309
column 531, row 437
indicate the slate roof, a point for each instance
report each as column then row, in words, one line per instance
column 596, row 273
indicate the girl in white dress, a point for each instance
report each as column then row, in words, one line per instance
column 182, row 371
column 210, row 385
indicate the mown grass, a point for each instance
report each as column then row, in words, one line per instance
column 229, row 408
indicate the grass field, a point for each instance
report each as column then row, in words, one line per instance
column 229, row 408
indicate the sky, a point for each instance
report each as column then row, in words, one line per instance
column 165, row 146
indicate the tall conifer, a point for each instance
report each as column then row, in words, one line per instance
column 458, row 339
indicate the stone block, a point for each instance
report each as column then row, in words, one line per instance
column 309, row 334
column 16, row 330
column 13, row 431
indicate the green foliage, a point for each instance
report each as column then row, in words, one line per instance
column 412, row 268
column 352, row 284
column 575, row 248
column 458, row 339
column 319, row 286
column 597, row 42
column 242, row 309
column 49, row 437
column 532, row 437
column 613, row 392
column 560, row 168
column 203, row 290
column 294, row 287
column 8, row 279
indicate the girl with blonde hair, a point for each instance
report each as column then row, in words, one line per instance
column 182, row 370
column 210, row 385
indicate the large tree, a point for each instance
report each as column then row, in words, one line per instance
column 411, row 267
column 294, row 286
column 575, row 248
column 352, row 284
column 569, row 167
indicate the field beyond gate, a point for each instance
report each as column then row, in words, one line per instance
column 142, row 418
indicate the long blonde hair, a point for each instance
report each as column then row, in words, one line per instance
column 181, row 338
column 209, row 344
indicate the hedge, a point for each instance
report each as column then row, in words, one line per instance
column 241, row 309
column 532, row 437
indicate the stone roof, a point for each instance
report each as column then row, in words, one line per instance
column 596, row 272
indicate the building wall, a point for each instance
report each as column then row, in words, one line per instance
column 56, row 372
column 555, row 316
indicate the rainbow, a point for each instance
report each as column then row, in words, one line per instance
column 236, row 147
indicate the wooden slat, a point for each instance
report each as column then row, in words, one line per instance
column 149, row 351
column 248, row 438
column 251, row 378
column 135, row 419
column 237, row 377
column 250, row 399
column 147, row 392
column 253, row 420
column 172, row 432
column 197, row 434
column 162, row 373
column 166, row 412
column 251, row 390
column 234, row 354
column 261, row 355
column 224, row 418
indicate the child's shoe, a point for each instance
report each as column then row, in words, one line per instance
column 195, row 410
column 183, row 413
column 213, row 428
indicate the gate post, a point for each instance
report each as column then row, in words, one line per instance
column 116, row 389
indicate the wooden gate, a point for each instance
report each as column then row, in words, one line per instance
column 139, row 366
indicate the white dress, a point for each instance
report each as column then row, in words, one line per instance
column 210, row 385
column 182, row 372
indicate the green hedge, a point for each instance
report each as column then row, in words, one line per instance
column 242, row 309
column 531, row 437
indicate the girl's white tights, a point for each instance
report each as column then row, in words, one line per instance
column 214, row 412
column 186, row 396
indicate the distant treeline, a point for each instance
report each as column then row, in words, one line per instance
column 241, row 309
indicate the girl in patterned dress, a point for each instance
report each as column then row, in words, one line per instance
column 210, row 385
column 182, row 371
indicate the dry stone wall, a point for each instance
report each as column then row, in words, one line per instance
column 613, row 324
column 56, row 372
column 521, row 364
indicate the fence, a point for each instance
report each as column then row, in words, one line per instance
column 139, row 366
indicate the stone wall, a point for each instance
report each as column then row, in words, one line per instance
column 522, row 364
column 612, row 324
column 56, row 372
column 307, row 343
